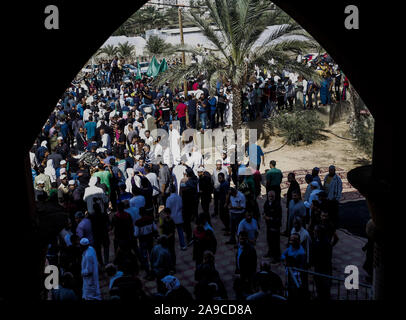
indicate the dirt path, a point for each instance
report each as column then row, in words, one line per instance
column 322, row 153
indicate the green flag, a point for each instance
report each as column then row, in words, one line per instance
column 153, row 68
column 163, row 66
column 138, row 76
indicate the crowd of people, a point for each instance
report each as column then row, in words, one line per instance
column 97, row 161
column 266, row 93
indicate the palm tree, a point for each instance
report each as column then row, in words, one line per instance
column 144, row 19
column 157, row 46
column 108, row 50
column 236, row 33
column 126, row 50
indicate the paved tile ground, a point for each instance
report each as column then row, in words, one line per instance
column 347, row 251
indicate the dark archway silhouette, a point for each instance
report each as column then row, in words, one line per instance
column 85, row 25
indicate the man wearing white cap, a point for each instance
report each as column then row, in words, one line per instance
column 90, row 272
column 44, row 179
column 314, row 191
column 63, row 189
column 62, row 148
column 60, row 168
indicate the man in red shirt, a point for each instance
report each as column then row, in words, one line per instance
column 195, row 85
column 181, row 112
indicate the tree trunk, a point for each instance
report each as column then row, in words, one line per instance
column 236, row 111
column 237, row 107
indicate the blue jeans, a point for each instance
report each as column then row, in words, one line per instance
column 145, row 252
column 180, row 235
column 235, row 219
column 182, row 121
column 203, row 119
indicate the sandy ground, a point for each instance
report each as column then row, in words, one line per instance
column 321, row 153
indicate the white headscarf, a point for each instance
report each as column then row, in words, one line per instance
column 50, row 170
column 92, row 181
column 137, row 180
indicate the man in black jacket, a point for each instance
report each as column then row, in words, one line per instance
column 293, row 186
column 273, row 219
column 246, row 258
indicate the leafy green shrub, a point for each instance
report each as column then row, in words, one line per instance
column 362, row 130
column 301, row 126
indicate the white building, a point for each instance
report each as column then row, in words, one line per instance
column 164, row 4
column 191, row 36
column 138, row 42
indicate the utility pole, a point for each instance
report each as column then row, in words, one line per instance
column 182, row 43
column 183, row 56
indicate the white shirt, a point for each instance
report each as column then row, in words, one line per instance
column 153, row 179
column 305, row 240
column 86, row 115
column 237, row 201
column 106, row 141
column 194, row 161
column 158, row 150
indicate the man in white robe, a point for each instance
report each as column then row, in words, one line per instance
column 174, row 142
column 90, row 272
column 178, row 171
column 229, row 110
column 195, row 160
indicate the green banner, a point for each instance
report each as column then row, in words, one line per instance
column 163, row 66
column 153, row 68
column 138, row 76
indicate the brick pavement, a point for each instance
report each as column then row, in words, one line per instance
column 346, row 252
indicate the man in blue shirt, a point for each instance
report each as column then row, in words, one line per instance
column 90, row 127
column 255, row 155
column 250, row 226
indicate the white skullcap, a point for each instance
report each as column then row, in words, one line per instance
column 60, row 138
column 63, row 176
column 84, row 241
column 200, row 169
column 62, row 162
column 71, row 182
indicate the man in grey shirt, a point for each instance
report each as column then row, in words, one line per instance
column 165, row 180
